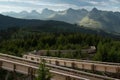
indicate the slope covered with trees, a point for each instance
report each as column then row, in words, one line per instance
column 8, row 22
column 19, row 36
column 23, row 41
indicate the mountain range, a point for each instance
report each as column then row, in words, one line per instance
column 7, row 22
column 95, row 19
column 40, row 25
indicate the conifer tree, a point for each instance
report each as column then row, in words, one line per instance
column 43, row 72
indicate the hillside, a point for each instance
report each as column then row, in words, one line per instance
column 95, row 19
column 49, row 26
column 7, row 22
column 106, row 20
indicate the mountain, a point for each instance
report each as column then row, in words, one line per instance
column 70, row 15
column 16, row 15
column 89, row 20
column 37, row 25
column 46, row 13
column 94, row 19
column 7, row 22
column 32, row 15
column 106, row 20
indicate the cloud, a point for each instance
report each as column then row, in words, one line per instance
column 35, row 4
column 18, row 5
column 115, row 1
column 7, row 8
column 95, row 3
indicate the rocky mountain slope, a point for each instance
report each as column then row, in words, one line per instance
column 97, row 19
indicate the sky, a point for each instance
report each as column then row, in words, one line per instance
column 57, row 5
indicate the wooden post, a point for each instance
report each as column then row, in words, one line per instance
column 32, row 77
column 93, row 68
column 14, row 72
column 73, row 65
column 64, row 63
column 57, row 63
column 14, row 68
column 31, row 73
column 118, row 72
column 105, row 69
column 68, row 78
column 82, row 66
column 1, row 63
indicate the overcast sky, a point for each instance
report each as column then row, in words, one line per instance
column 28, row 5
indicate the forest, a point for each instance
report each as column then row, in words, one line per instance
column 18, row 41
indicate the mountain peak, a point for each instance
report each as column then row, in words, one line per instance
column 34, row 11
column 70, row 9
column 84, row 10
column 23, row 12
column 94, row 9
column 47, row 11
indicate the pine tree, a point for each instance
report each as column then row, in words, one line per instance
column 43, row 72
